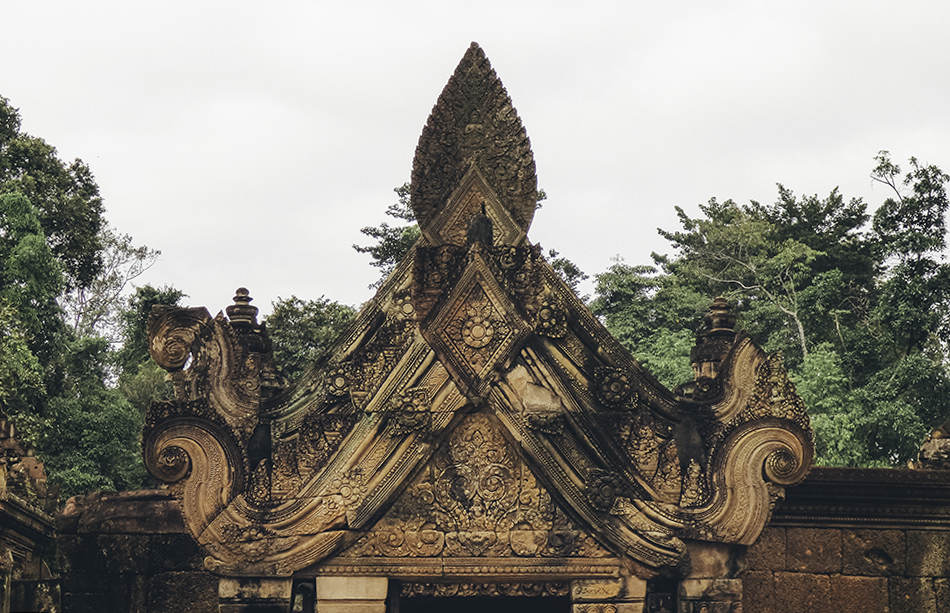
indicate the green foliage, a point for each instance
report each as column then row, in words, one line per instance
column 21, row 374
column 666, row 355
column 567, row 270
column 392, row 242
column 653, row 315
column 89, row 434
column 94, row 310
column 58, row 380
column 302, row 331
column 66, row 197
column 859, row 313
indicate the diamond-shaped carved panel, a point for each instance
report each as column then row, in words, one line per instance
column 476, row 328
column 468, row 200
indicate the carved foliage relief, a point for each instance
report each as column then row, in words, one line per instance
column 476, row 498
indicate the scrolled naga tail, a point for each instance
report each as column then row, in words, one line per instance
column 756, row 462
column 173, row 333
column 202, row 464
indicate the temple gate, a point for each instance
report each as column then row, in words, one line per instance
column 476, row 434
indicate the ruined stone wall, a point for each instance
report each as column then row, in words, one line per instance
column 844, row 541
column 129, row 551
column 853, row 540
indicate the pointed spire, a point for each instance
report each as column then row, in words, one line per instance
column 474, row 123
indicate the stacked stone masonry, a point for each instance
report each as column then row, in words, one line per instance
column 855, row 541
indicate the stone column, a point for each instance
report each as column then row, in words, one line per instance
column 711, row 586
column 621, row 595
column 352, row 594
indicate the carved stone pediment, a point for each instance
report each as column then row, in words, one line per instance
column 475, row 420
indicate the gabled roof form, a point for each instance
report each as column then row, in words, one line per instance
column 474, row 408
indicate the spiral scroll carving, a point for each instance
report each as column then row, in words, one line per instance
column 172, row 334
column 771, row 452
column 172, row 464
column 781, row 467
column 202, row 464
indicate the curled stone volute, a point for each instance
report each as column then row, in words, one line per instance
column 172, row 334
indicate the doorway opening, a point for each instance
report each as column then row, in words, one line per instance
column 485, row 604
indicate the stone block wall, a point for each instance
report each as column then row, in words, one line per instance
column 855, row 541
column 848, row 571
column 123, row 552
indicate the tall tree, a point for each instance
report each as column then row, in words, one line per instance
column 58, row 379
column 95, row 310
column 858, row 312
column 392, row 242
column 66, row 197
column 302, row 331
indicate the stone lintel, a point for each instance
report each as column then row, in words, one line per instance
column 352, row 588
column 475, row 569
column 615, row 590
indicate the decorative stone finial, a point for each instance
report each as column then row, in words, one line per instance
column 720, row 317
column 713, row 344
column 241, row 313
column 473, row 126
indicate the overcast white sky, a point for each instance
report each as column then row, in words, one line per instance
column 250, row 141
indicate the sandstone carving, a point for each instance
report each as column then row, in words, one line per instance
column 475, row 422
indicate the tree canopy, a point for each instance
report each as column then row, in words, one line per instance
column 858, row 312
column 302, row 330
column 72, row 375
column 65, row 196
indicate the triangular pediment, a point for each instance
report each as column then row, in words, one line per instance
column 475, row 414
column 476, row 500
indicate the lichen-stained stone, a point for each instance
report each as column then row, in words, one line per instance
column 797, row 592
column 758, row 591
column 184, row 592
column 125, row 553
column 942, row 592
column 912, row 595
column 768, row 552
column 873, row 552
column 813, row 550
column 712, row 560
column 928, row 553
column 858, row 594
